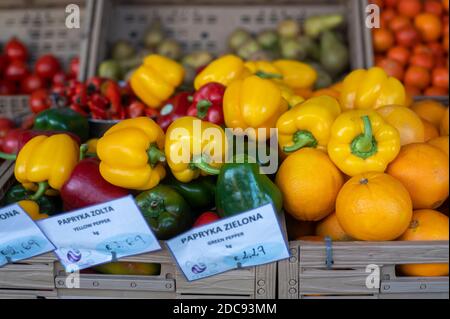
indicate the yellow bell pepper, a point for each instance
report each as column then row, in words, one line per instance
column 289, row 95
column 156, row 79
column 296, row 75
column 32, row 209
column 253, row 103
column 371, row 89
column 92, row 146
column 46, row 161
column 263, row 68
column 130, row 154
column 194, row 147
column 223, row 70
column 308, row 124
column 361, row 141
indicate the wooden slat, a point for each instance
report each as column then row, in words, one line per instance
column 288, row 275
column 112, row 294
column 351, row 254
column 443, row 295
column 415, row 285
column 213, row 297
column 27, row 294
column 335, row 282
column 233, row 282
column 265, row 281
column 33, row 276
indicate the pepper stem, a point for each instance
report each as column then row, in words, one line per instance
column 155, row 155
column 202, row 165
column 42, row 187
column 265, row 75
column 83, row 150
column 301, row 139
column 202, row 108
column 8, row 157
column 364, row 145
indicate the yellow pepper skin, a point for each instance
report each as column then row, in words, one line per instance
column 308, row 124
column 46, row 161
column 130, row 154
column 156, row 79
column 92, row 146
column 296, row 75
column 32, row 209
column 253, row 103
column 223, row 70
column 289, row 95
column 361, row 141
column 371, row 89
column 263, row 67
column 191, row 151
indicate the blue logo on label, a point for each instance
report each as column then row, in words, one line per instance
column 74, row 255
column 198, row 269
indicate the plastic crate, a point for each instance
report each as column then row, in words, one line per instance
column 206, row 24
column 40, row 24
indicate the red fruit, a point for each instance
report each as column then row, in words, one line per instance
column 422, row 59
column 407, row 36
column 435, row 91
column 417, row 76
column 16, row 50
column 58, row 89
column 433, row 6
column 7, row 87
column 412, row 90
column 3, row 63
column 437, row 49
column 392, row 68
column 16, row 71
column 39, row 101
column 47, row 66
column 440, row 77
column 399, row 54
column 74, row 68
column 31, row 83
column 429, row 26
column 386, row 16
column 5, row 126
column 383, row 39
column 136, row 109
column 390, row 3
column 399, row 22
column 59, row 78
column 409, row 8
column 10, row 143
column 206, row 218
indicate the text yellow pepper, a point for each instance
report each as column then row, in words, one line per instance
column 32, row 209
column 130, row 154
column 361, row 141
column 46, row 161
column 156, row 79
column 223, row 70
column 308, row 124
column 371, row 89
column 253, row 103
column 194, row 147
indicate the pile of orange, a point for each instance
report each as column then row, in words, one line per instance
column 412, row 44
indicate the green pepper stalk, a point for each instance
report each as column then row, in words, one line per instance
column 364, row 145
column 301, row 139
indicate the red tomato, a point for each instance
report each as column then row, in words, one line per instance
column 5, row 126
column 74, row 67
column 16, row 50
column 136, row 109
column 39, row 101
column 7, row 87
column 206, row 218
column 3, row 63
column 59, row 78
column 10, row 143
column 16, row 71
column 407, row 36
column 31, row 83
column 58, row 88
column 425, row 60
column 47, row 66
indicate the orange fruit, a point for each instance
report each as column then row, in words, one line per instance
column 425, row 60
column 443, row 127
column 426, row 224
column 399, row 22
column 373, row 206
column 417, row 76
column 430, row 110
column 386, row 16
column 329, row 226
column 383, row 39
column 408, row 124
column 439, row 77
column 407, row 36
column 430, row 131
column 423, row 170
column 429, row 26
column 399, row 54
column 435, row 91
column 392, row 68
column 433, row 6
column 441, row 142
column 309, row 182
column 408, row 99
column 445, row 5
column 409, row 8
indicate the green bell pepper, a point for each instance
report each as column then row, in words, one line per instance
column 166, row 211
column 47, row 205
column 62, row 119
column 241, row 187
column 199, row 193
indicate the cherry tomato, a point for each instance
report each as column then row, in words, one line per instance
column 10, row 143
column 31, row 83
column 47, row 66
column 58, row 88
column 74, row 67
column 206, row 218
column 5, row 126
column 39, row 101
column 16, row 50
column 59, row 77
column 16, row 71
column 7, row 87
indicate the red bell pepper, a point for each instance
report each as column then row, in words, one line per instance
column 206, row 218
column 174, row 108
column 111, row 90
column 86, row 186
column 207, row 103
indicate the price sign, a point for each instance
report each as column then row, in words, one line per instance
column 20, row 238
column 248, row 239
column 98, row 234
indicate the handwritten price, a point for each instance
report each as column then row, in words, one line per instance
column 251, row 253
column 20, row 249
column 126, row 243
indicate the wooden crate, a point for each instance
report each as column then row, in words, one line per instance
column 306, row 275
